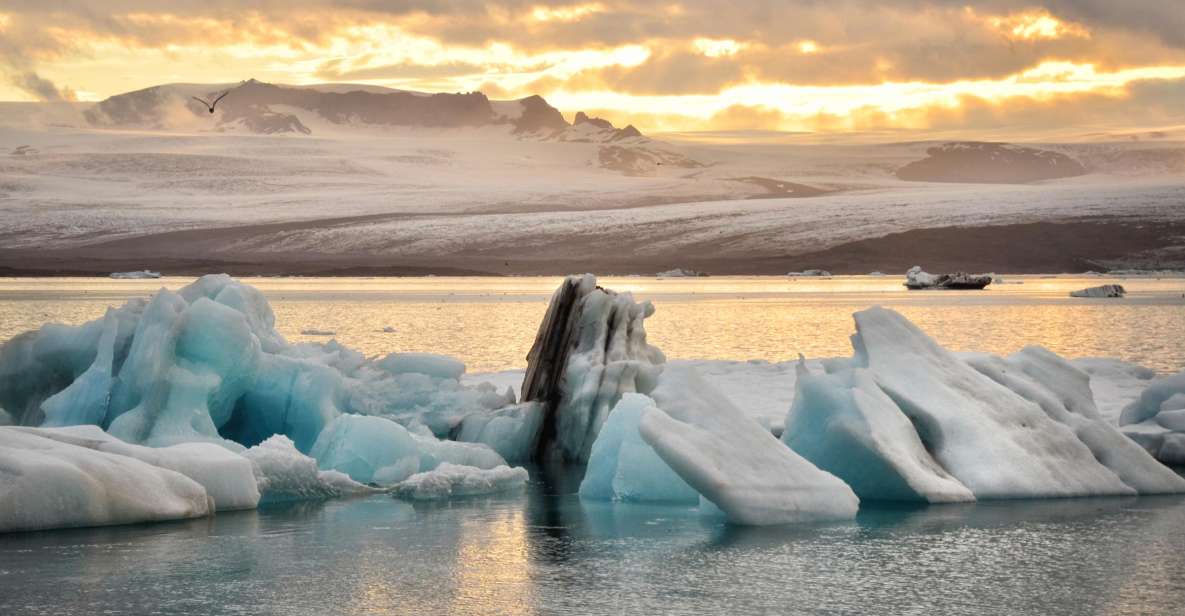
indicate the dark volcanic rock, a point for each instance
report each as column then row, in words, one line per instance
column 989, row 163
column 539, row 116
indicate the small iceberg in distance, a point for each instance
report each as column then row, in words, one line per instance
column 317, row 332
column 681, row 273
column 140, row 275
column 1107, row 290
column 820, row 273
column 916, row 279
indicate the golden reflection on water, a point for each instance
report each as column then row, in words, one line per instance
column 493, row 567
column 490, row 322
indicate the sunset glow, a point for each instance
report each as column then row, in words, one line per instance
column 680, row 66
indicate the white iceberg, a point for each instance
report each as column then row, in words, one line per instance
column 735, row 463
column 1107, row 290
column 843, row 423
column 138, row 275
column 452, row 480
column 48, row 483
column 996, row 441
column 227, row 477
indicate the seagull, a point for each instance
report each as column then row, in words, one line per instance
column 210, row 106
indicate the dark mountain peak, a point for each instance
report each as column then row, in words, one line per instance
column 538, row 115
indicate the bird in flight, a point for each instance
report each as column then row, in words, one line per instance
column 209, row 105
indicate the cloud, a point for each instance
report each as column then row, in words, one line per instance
column 41, row 88
column 660, row 61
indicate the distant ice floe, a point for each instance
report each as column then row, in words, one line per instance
column 1107, row 290
column 816, row 273
column 916, row 278
column 680, row 273
column 191, row 402
column 140, row 275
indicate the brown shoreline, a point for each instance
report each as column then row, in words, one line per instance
column 1028, row 248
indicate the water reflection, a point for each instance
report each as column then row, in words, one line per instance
column 546, row 552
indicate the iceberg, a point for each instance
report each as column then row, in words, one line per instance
column 916, row 278
column 1107, row 290
column 590, row 349
column 200, row 382
column 48, row 483
column 843, row 423
column 227, row 477
column 623, row 467
column 1038, row 440
column 735, row 463
column 453, row 480
column 138, row 275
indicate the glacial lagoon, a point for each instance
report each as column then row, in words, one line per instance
column 545, row 551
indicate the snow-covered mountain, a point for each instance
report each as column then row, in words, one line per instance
column 341, row 178
column 263, row 108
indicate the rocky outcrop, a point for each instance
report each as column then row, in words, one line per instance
column 989, row 163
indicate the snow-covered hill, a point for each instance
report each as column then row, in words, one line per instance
column 337, row 178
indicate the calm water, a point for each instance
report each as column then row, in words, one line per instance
column 543, row 553
column 491, row 322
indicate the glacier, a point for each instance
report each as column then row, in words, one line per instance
column 190, row 402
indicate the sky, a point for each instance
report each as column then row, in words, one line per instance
column 815, row 65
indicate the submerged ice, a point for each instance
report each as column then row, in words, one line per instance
column 191, row 402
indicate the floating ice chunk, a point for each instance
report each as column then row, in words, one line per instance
column 844, row 424
column 51, row 484
column 317, row 332
column 227, row 477
column 590, row 349
column 991, row 439
column 511, row 431
column 1063, row 393
column 285, row 474
column 1107, row 290
column 452, row 480
column 733, row 461
column 623, row 467
column 915, row 278
column 368, row 449
column 809, row 273
column 140, row 275
column 680, row 273
column 439, row 366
